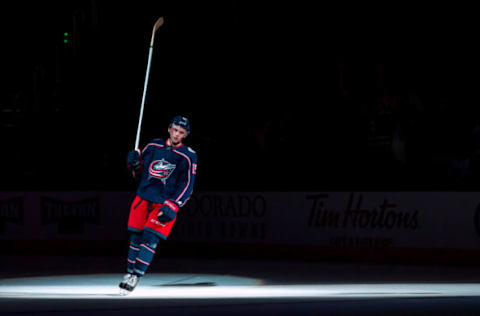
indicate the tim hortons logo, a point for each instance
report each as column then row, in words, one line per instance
column 383, row 215
column 11, row 211
column 70, row 216
column 161, row 169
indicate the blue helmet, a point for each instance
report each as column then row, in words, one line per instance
column 182, row 122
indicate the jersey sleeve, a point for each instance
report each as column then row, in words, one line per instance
column 186, row 178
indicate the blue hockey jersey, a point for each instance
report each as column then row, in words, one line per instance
column 168, row 173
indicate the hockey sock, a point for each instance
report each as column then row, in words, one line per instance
column 135, row 239
column 147, row 251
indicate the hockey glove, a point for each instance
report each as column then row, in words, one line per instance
column 133, row 160
column 167, row 212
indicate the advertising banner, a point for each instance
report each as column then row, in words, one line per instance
column 338, row 219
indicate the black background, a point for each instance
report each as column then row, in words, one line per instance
column 242, row 71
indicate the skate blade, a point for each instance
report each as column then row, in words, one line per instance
column 124, row 292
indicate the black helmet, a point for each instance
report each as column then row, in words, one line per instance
column 182, row 122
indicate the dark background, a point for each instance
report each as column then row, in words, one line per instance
column 281, row 95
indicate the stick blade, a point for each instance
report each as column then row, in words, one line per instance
column 156, row 27
column 158, row 24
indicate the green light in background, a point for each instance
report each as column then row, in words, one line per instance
column 65, row 38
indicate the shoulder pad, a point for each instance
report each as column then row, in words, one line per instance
column 158, row 141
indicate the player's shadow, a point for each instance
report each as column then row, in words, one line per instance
column 189, row 284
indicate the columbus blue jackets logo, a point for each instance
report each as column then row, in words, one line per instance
column 161, row 169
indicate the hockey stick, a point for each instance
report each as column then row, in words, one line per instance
column 150, row 52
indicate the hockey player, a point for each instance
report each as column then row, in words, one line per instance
column 166, row 172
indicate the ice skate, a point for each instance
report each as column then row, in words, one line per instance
column 124, row 281
column 128, row 284
column 123, row 284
